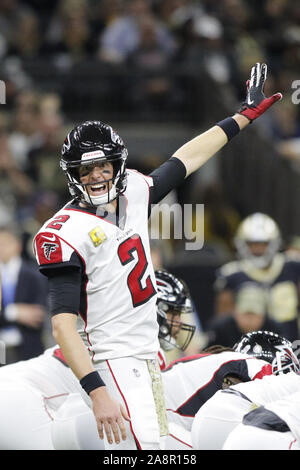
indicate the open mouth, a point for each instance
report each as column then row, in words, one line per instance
column 99, row 188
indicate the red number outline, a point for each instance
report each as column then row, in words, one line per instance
column 55, row 222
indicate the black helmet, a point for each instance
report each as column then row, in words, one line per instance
column 272, row 348
column 173, row 298
column 90, row 143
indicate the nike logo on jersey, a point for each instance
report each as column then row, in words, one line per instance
column 250, row 101
column 51, row 239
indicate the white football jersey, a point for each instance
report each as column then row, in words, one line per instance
column 48, row 374
column 117, row 315
column 288, row 409
column 191, row 381
column 274, row 387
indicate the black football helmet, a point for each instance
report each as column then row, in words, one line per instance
column 272, row 348
column 87, row 144
column 173, row 300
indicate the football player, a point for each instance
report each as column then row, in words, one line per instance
column 95, row 252
column 55, row 414
column 174, row 305
column 188, row 383
column 44, row 383
column 225, row 410
column 263, row 268
column 275, row 426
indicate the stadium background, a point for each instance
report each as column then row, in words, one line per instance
column 160, row 72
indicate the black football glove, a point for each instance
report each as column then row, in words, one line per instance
column 256, row 103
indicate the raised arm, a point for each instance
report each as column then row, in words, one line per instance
column 197, row 151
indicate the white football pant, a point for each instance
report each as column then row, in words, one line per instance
column 245, row 437
column 129, row 382
column 216, row 419
column 25, row 421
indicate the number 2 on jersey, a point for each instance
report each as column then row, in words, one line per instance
column 139, row 294
column 58, row 221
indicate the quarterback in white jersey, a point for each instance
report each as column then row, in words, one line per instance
column 115, row 329
column 95, row 253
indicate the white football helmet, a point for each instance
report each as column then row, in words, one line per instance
column 258, row 228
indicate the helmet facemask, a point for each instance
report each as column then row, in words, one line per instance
column 173, row 332
column 116, row 184
column 258, row 228
column 258, row 261
column 270, row 347
column 173, row 303
column 285, row 361
column 94, row 143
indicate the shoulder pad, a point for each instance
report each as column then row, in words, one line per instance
column 293, row 256
column 229, row 268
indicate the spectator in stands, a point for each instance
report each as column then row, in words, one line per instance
column 152, row 85
column 42, row 206
column 123, row 35
column 15, row 187
column 284, row 129
column 25, row 135
column 28, row 26
column 42, row 159
column 75, row 43
column 11, row 12
column 69, row 38
column 24, row 299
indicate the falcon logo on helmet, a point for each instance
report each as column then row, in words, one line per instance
column 272, row 348
column 92, row 143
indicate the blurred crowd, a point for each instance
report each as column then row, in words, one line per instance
column 132, row 55
column 133, row 44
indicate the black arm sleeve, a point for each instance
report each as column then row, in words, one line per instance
column 64, row 285
column 166, row 177
column 64, row 291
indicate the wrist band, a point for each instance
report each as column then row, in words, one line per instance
column 91, row 381
column 230, row 127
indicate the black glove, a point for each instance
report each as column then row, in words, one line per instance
column 256, row 103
